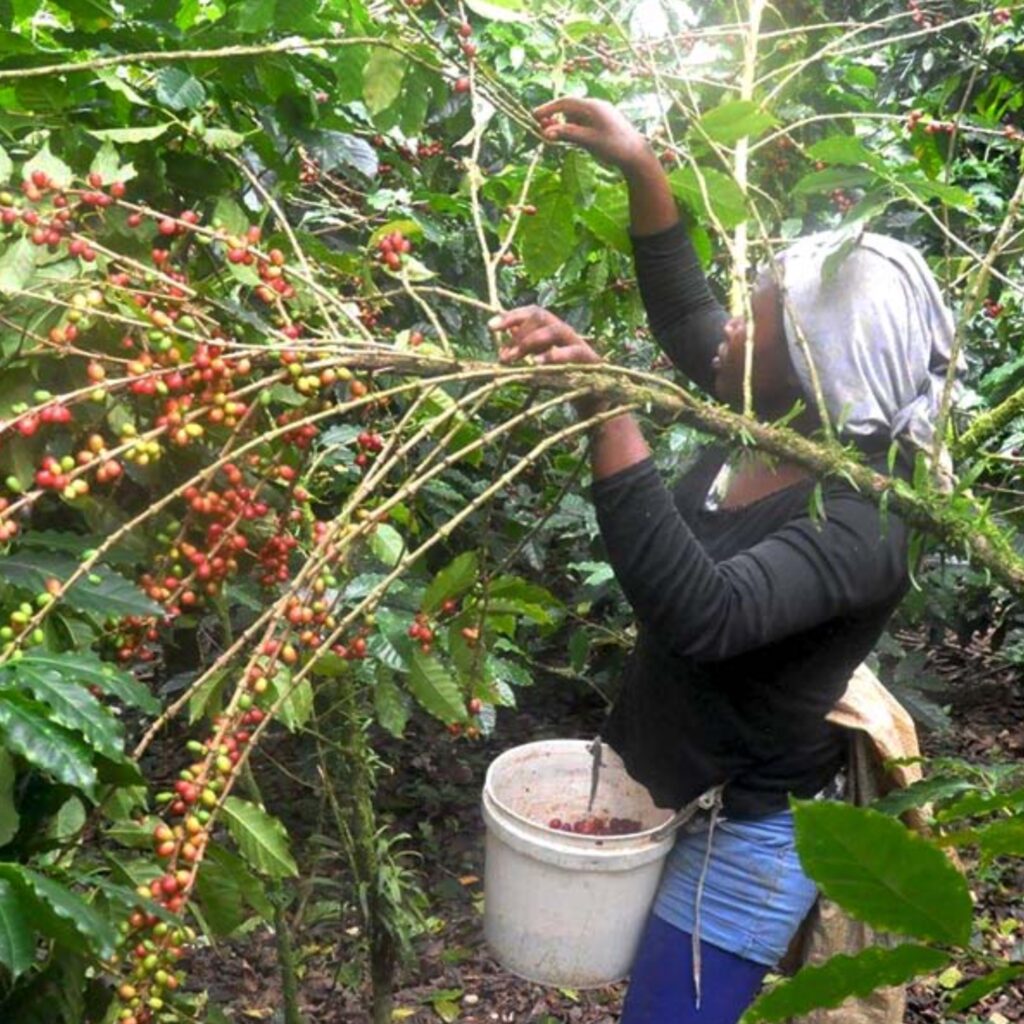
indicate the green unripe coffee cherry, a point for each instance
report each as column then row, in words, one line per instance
column 38, row 636
column 6, row 633
column 195, row 747
column 13, row 484
column 44, row 600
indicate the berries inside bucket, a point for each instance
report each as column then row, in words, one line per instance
column 597, row 825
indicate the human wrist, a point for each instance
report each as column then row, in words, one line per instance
column 641, row 164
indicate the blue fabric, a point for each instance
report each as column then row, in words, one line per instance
column 661, row 987
column 755, row 895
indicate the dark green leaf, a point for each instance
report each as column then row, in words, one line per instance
column 56, row 907
column 100, row 590
column 70, row 704
column 28, row 732
column 981, row 987
column 334, row 149
column 832, row 178
column 17, row 941
column 9, row 818
column 178, row 89
column 881, row 872
column 451, row 582
column 86, row 669
column 389, row 703
column 838, row 979
column 261, row 838
column 228, row 891
column 1002, row 838
column 438, row 692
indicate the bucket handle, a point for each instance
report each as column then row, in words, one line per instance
column 708, row 800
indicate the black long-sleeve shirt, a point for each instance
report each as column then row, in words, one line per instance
column 750, row 619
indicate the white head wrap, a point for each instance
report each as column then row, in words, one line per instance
column 878, row 332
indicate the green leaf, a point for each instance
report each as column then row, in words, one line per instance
column 725, row 197
column 9, row 818
column 297, row 708
column 87, row 670
column 261, row 838
column 17, row 942
column 881, row 872
column 520, row 597
column 17, row 265
column 57, row 905
column 382, row 78
column 130, row 135
column 832, row 178
column 733, row 120
column 981, row 987
column 179, row 90
column 389, row 704
column 1002, row 838
column 547, row 239
column 332, row 149
column 70, row 704
column 107, row 164
column 949, row 195
column 919, row 793
column 387, row 544
column 451, row 582
column 831, row 983
column 28, row 732
column 843, row 149
column 438, row 692
column 100, row 590
column 58, row 171
column 229, row 214
column 6, row 167
column 223, row 138
column 227, row 890
column 608, row 217
column 208, row 693
column 499, row 10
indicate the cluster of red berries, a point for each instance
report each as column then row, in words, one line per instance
column 992, row 308
column 391, row 248
column 131, row 642
column 841, row 200
column 465, row 32
column 369, row 444
column 597, row 826
column 920, row 17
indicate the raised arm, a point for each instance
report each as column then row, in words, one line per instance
column 685, row 317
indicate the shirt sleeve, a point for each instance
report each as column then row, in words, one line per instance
column 805, row 573
column 685, row 317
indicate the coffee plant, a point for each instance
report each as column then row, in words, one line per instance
column 260, row 463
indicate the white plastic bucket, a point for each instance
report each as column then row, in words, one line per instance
column 561, row 908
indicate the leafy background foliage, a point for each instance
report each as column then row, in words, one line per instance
column 861, row 113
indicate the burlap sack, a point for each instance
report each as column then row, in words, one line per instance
column 880, row 731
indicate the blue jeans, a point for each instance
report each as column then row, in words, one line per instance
column 661, row 988
column 755, row 894
column 754, row 897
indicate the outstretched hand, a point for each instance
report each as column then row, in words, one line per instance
column 597, row 126
column 533, row 331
